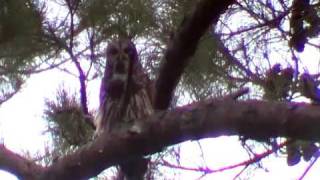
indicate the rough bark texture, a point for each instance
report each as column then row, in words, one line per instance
column 252, row 119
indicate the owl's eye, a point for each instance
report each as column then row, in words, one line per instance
column 113, row 51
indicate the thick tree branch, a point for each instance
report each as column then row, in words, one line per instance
column 183, row 47
column 252, row 119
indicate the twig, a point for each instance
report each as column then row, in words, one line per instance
column 238, row 174
column 207, row 170
column 313, row 161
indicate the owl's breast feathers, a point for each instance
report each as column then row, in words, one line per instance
column 125, row 100
column 139, row 104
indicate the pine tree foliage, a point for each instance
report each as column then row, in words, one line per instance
column 118, row 17
column 22, row 40
column 21, row 31
column 66, row 122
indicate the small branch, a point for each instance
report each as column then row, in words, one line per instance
column 313, row 161
column 237, row 94
column 73, row 5
column 69, row 49
column 207, row 170
column 83, row 91
column 240, row 173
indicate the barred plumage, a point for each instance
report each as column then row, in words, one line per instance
column 125, row 100
column 121, row 55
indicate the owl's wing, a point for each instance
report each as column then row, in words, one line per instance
column 142, row 81
column 98, row 122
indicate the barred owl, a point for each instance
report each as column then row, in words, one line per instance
column 124, row 96
column 124, row 92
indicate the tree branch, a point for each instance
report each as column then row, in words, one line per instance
column 253, row 119
column 18, row 165
column 183, row 47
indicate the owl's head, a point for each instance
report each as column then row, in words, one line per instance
column 119, row 55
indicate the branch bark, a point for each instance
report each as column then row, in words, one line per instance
column 252, row 119
column 183, row 46
column 208, row 119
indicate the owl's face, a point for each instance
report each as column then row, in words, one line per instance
column 120, row 54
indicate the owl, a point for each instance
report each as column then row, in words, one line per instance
column 125, row 96
column 125, row 99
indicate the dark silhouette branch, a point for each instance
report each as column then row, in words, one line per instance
column 252, row 119
column 183, row 46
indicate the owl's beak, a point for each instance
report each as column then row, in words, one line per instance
column 122, row 64
column 120, row 68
